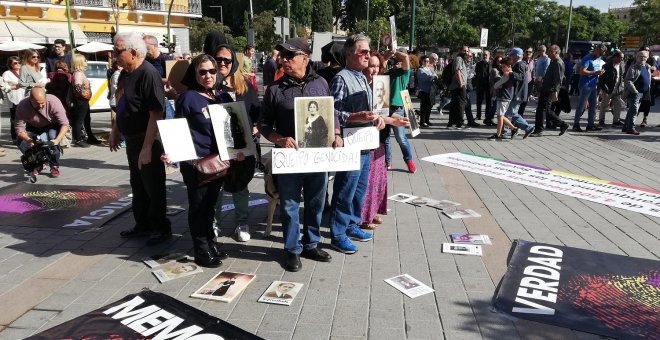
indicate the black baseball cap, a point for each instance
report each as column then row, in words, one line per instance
column 294, row 45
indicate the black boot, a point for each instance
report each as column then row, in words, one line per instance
column 205, row 259
column 216, row 250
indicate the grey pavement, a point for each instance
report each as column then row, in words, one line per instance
column 49, row 276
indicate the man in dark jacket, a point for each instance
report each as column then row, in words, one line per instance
column 481, row 83
column 610, row 85
column 277, row 124
column 549, row 91
column 269, row 69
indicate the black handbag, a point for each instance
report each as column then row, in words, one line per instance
column 210, row 168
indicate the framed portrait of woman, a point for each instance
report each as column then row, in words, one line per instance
column 315, row 121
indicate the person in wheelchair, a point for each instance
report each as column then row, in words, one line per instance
column 42, row 118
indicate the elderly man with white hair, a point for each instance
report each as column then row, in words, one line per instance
column 140, row 103
column 638, row 84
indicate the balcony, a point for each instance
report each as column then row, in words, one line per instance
column 32, row 1
column 178, row 6
column 97, row 3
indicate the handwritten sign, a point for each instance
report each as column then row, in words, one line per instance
column 366, row 138
column 305, row 160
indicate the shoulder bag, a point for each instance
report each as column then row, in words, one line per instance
column 210, row 168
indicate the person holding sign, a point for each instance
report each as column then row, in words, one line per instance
column 200, row 78
column 353, row 108
column 277, row 124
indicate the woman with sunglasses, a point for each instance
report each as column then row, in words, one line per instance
column 30, row 72
column 14, row 93
column 192, row 105
column 235, row 87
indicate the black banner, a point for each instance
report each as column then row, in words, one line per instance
column 61, row 206
column 147, row 315
column 606, row 294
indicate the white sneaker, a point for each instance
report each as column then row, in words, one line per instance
column 242, row 233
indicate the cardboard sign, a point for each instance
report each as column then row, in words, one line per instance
column 174, row 72
column 366, row 138
column 291, row 161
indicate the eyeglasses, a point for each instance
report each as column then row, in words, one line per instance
column 15, row 63
column 223, row 61
column 529, row 51
column 362, row 52
column 203, row 72
column 35, row 57
column 118, row 51
column 288, row 55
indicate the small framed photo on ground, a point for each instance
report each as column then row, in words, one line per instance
column 281, row 293
column 381, row 94
column 176, row 270
column 315, row 121
column 409, row 112
column 225, row 286
column 464, row 249
column 408, row 285
column 232, row 128
column 470, row 238
column 401, row 197
column 461, row 213
column 444, row 205
column 422, row 201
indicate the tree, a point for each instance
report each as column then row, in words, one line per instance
column 322, row 10
column 645, row 21
column 265, row 33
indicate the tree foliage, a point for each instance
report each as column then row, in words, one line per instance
column 322, row 11
column 645, row 22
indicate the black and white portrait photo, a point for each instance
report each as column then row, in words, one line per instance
column 381, row 94
column 314, row 122
column 232, row 129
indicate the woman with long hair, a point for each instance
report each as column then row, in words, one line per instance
column 12, row 89
column 82, row 92
column 192, row 105
column 235, row 87
column 59, row 83
column 30, row 72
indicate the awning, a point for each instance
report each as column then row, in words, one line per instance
column 40, row 32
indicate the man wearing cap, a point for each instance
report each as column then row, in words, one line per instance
column 353, row 104
column 590, row 68
column 520, row 92
column 277, row 124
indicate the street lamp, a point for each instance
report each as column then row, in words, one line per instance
column 568, row 32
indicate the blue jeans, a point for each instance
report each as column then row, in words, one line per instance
column 633, row 100
column 289, row 187
column 348, row 194
column 590, row 94
column 516, row 119
column 44, row 137
column 401, row 138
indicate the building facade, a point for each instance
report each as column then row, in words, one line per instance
column 43, row 21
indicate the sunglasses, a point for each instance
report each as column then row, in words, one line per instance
column 203, row 72
column 223, row 61
column 362, row 52
column 118, row 51
column 290, row 55
column 15, row 63
column 529, row 51
column 35, row 57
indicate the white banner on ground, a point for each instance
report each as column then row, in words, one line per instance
column 366, row 138
column 304, row 160
column 645, row 201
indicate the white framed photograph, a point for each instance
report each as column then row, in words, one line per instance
column 225, row 286
column 281, row 293
column 470, row 238
column 461, row 213
column 408, row 285
column 444, row 205
column 401, row 197
column 381, row 94
column 409, row 112
column 314, row 121
column 232, row 128
column 464, row 249
column 176, row 270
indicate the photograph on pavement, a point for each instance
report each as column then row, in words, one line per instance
column 225, row 286
column 409, row 285
column 281, row 293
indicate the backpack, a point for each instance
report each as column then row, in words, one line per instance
column 448, row 74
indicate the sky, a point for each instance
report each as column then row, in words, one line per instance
column 602, row 5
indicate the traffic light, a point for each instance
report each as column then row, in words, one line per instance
column 166, row 41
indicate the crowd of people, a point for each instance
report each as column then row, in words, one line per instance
column 43, row 109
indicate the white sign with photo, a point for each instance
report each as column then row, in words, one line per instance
column 281, row 293
column 233, row 132
column 365, row 138
column 381, row 94
column 176, row 138
column 314, row 121
column 409, row 112
column 408, row 285
column 393, row 33
column 291, row 161
column 483, row 42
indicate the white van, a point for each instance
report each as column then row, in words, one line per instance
column 96, row 73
